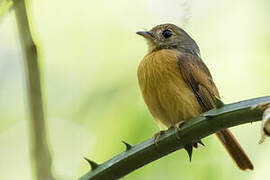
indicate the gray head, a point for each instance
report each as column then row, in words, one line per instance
column 169, row 36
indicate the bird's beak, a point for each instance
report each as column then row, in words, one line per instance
column 145, row 34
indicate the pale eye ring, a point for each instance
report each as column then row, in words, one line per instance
column 167, row 33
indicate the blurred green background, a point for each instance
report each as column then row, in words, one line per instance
column 89, row 58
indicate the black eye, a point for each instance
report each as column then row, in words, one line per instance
column 167, row 33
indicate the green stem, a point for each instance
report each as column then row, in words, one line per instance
column 40, row 156
column 193, row 130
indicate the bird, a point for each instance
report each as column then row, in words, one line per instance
column 176, row 85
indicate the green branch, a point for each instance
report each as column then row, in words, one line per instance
column 41, row 159
column 192, row 131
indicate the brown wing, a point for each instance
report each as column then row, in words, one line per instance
column 198, row 77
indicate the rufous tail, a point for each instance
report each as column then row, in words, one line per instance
column 235, row 150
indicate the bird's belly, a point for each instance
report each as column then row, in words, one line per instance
column 168, row 97
column 171, row 102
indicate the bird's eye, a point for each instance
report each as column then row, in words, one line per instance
column 167, row 33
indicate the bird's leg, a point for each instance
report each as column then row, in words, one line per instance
column 156, row 135
column 177, row 128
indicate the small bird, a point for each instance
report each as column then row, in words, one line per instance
column 176, row 85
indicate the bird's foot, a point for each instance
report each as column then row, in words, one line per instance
column 156, row 135
column 177, row 128
column 261, row 106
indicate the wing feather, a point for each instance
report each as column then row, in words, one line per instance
column 198, row 77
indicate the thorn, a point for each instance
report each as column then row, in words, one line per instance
column 128, row 146
column 189, row 149
column 200, row 142
column 219, row 103
column 91, row 163
column 196, row 145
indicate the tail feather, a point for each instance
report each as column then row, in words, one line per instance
column 234, row 149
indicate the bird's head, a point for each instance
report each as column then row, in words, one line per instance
column 169, row 36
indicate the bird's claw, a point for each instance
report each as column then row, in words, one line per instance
column 177, row 128
column 156, row 135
